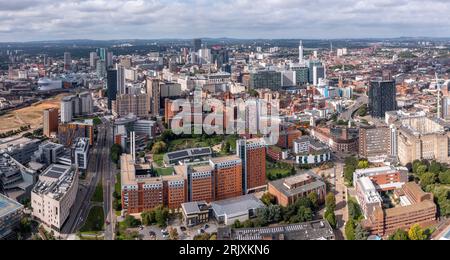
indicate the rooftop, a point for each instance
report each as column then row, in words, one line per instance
column 236, row 206
column 179, row 155
column 371, row 194
column 224, row 159
column 315, row 230
column 6, row 143
column 55, row 181
column 8, row 206
column 194, row 207
column 81, row 144
column 280, row 184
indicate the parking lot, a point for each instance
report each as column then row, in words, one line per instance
column 184, row 233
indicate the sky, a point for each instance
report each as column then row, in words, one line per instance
column 38, row 20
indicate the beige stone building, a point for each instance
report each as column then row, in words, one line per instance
column 422, row 138
column 54, row 194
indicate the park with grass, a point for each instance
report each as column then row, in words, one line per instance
column 94, row 222
column 279, row 170
column 98, row 194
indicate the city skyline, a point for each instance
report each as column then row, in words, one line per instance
column 40, row 20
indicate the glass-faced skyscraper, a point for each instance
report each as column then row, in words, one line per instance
column 382, row 97
column 111, row 85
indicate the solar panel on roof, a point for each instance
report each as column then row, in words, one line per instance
column 58, row 169
column 177, row 155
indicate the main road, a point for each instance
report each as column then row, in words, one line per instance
column 87, row 187
column 109, row 180
column 359, row 102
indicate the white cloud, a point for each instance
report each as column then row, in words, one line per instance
column 22, row 20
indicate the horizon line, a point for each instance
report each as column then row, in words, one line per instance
column 231, row 38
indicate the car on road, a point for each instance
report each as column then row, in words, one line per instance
column 183, row 229
column 206, row 226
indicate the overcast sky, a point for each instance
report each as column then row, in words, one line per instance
column 29, row 20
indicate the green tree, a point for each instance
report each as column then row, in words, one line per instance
column 360, row 232
column 417, row 233
column 444, row 177
column 148, row 218
column 131, row 222
column 330, row 202
column 268, row 199
column 115, row 153
column 159, row 147
column 363, row 164
column 354, row 211
column 161, row 216
column 304, row 214
column 442, row 197
column 415, row 166
column 435, row 167
column 428, row 178
column 350, row 230
column 314, row 198
column 248, row 224
column 226, row 148
column 399, row 234
column 237, row 224
column 422, row 169
column 351, row 164
column 330, row 216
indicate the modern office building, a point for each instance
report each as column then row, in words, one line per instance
column 49, row 153
column 121, row 87
column 67, row 61
column 80, row 153
column 76, row 106
column 11, row 213
column 301, row 74
column 130, row 104
column 197, row 44
column 154, row 95
column 309, row 151
column 253, row 156
column 21, row 149
column 100, row 68
column 69, row 133
column 265, row 79
column 51, row 120
column 16, row 181
column 111, row 86
column 382, row 97
column 288, row 190
column 93, row 58
column 316, row 71
column 54, row 194
column 66, row 110
column 374, row 141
